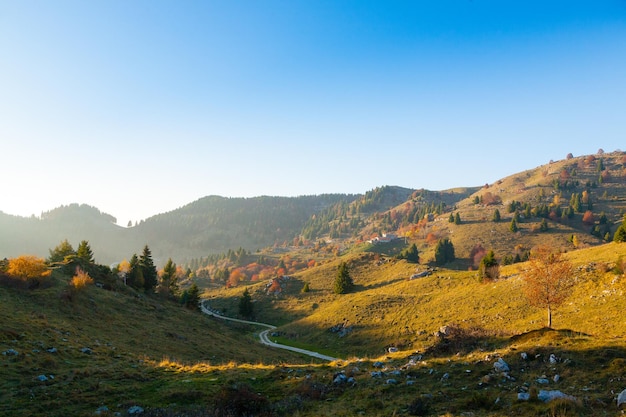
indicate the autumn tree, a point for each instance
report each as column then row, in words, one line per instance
column 343, row 281
column 245, row 304
column 27, row 267
column 588, row 218
column 549, row 280
column 60, row 252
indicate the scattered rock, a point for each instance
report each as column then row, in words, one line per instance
column 391, row 381
column 376, row 374
column 135, row 410
column 547, row 396
column 393, row 349
column 523, row 396
column 556, row 378
column 621, row 399
column 524, row 356
column 553, row 359
column 543, row 381
column 410, row 382
column 501, row 366
column 378, row 364
column 445, row 376
column 102, row 410
column 87, row 350
column 10, row 352
column 52, row 350
column 42, row 378
column 340, row 378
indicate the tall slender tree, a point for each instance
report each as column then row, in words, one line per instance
column 134, row 276
column 343, row 282
column 84, row 253
column 150, row 274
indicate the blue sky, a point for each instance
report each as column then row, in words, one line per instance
column 139, row 107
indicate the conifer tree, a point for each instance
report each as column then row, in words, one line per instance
column 543, row 226
column 149, row 271
column 343, row 282
column 496, row 215
column 84, row 253
column 457, row 218
column 489, row 268
column 168, row 278
column 444, row 251
column 134, row 277
column 513, row 227
column 620, row 233
column 246, row 307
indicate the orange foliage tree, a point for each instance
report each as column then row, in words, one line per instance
column 549, row 280
column 588, row 218
column 27, row 267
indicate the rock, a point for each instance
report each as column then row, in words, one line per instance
column 410, row 382
column 501, row 366
column 135, row 410
column 52, row 350
column 87, row 350
column 351, row 380
column 392, row 349
column 376, row 374
column 340, row 379
column 621, row 399
column 524, row 356
column 391, row 381
column 42, row 378
column 523, row 396
column 543, row 381
column 445, row 376
column 378, row 364
column 547, row 396
column 396, row 373
column 102, row 410
column 10, row 352
column 553, row 359
column 556, row 378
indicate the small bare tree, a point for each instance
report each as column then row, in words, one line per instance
column 549, row 279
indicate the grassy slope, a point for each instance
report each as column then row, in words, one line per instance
column 145, row 351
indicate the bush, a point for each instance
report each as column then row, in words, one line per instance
column 80, row 280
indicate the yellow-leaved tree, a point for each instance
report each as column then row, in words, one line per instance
column 27, row 267
column 549, row 279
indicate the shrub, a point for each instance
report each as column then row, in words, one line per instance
column 80, row 280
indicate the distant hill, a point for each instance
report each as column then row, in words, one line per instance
column 558, row 194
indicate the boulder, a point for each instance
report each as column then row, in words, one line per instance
column 621, row 399
column 42, row 378
column 501, row 366
column 524, row 356
column 547, row 396
column 523, row 396
column 10, row 352
column 135, row 410
column 543, row 381
column 391, row 381
column 553, row 359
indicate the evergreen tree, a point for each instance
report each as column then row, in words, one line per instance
column 410, row 254
column 245, row 305
column 343, row 282
column 168, row 278
column 149, row 271
column 60, row 252
column 84, row 253
column 496, row 215
column 620, row 233
column 457, row 218
column 444, row 251
column 134, row 276
column 191, row 297
column 451, row 218
column 543, row 226
column 489, row 268
column 513, row 227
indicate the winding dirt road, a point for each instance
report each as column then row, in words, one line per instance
column 264, row 335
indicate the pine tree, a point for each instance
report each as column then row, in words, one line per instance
column 513, row 227
column 496, row 215
column 444, row 251
column 191, row 297
column 620, row 233
column 84, row 253
column 245, row 305
column 134, row 276
column 168, row 278
column 457, row 218
column 410, row 254
column 451, row 218
column 343, row 282
column 149, row 271
column 489, row 268
column 543, row 226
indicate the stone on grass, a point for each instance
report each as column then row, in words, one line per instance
column 391, row 381
column 621, row 399
column 547, row 396
column 10, row 352
column 524, row 355
column 501, row 366
column 543, row 381
column 556, row 378
column 523, row 396
column 42, row 378
column 135, row 410
column 378, row 364
column 87, row 350
column 553, row 359
column 52, row 350
column 376, row 374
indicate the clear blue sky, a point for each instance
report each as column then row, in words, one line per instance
column 139, row 107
